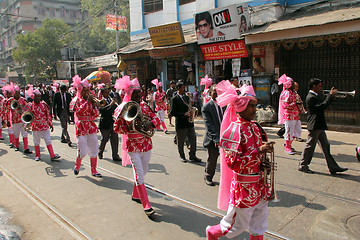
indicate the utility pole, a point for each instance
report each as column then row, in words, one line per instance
column 117, row 37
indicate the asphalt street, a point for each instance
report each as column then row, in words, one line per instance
column 45, row 200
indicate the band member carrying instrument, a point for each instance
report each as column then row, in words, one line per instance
column 14, row 109
column 207, row 82
column 85, row 109
column 160, row 103
column 242, row 189
column 136, row 135
column 40, row 123
column 9, row 91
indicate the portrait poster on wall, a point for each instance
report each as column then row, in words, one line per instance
column 222, row 24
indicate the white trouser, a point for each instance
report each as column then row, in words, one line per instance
column 140, row 162
column 19, row 128
column 37, row 135
column 87, row 144
column 289, row 129
column 238, row 220
column 297, row 132
column 161, row 115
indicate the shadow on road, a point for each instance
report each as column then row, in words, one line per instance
column 289, row 200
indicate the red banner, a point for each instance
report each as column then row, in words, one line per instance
column 224, row 50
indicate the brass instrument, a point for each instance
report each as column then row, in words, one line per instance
column 191, row 108
column 341, row 94
column 14, row 104
column 27, row 118
column 98, row 102
column 269, row 177
column 131, row 112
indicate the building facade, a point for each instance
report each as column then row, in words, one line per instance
column 19, row 16
column 301, row 38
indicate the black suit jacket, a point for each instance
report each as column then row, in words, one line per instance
column 316, row 107
column 106, row 118
column 178, row 110
column 57, row 104
column 212, row 123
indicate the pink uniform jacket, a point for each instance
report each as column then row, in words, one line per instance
column 288, row 103
column 85, row 114
column 135, row 142
column 42, row 119
column 206, row 95
column 14, row 115
column 160, row 100
column 247, row 185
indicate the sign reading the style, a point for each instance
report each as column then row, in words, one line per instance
column 224, row 50
column 114, row 23
column 166, row 35
column 168, row 52
column 222, row 24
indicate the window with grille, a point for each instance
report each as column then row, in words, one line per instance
column 182, row 2
column 152, row 5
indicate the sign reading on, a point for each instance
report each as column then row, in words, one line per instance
column 165, row 35
column 224, row 50
column 222, row 24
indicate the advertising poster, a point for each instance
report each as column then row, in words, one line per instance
column 64, row 69
column 166, row 35
column 221, row 24
column 224, row 50
column 258, row 55
column 3, row 82
column 114, row 23
column 245, row 77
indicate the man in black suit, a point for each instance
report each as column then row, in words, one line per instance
column 106, row 126
column 180, row 110
column 213, row 115
column 62, row 101
column 316, row 125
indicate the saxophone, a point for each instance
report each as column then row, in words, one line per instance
column 191, row 108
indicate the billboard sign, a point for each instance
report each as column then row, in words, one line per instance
column 64, row 69
column 222, row 24
column 224, row 50
column 166, row 35
column 114, row 23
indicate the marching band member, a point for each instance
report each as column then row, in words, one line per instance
column 2, row 100
column 85, row 110
column 14, row 119
column 288, row 111
column 41, row 123
column 138, row 146
column 242, row 192
column 8, row 90
column 160, row 103
column 207, row 82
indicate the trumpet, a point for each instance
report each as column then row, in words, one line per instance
column 340, row 94
column 269, row 177
column 27, row 118
column 98, row 102
column 131, row 112
column 14, row 104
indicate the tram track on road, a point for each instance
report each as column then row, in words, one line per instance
column 68, row 225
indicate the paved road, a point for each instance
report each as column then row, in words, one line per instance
column 44, row 200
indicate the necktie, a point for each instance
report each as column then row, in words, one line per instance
column 64, row 101
column 220, row 113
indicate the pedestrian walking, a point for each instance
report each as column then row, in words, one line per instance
column 61, row 106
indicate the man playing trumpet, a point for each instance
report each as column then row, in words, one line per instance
column 40, row 123
column 242, row 189
column 85, row 110
column 14, row 110
column 137, row 145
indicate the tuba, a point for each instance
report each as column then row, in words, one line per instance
column 269, row 177
column 27, row 118
column 14, row 104
column 131, row 112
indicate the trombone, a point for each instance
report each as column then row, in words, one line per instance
column 340, row 94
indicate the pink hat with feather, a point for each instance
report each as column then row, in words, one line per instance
column 285, row 80
column 157, row 83
column 206, row 81
column 128, row 86
column 79, row 84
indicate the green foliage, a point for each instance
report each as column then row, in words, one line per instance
column 39, row 51
column 94, row 40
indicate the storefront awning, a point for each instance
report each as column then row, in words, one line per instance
column 331, row 22
column 100, row 61
column 146, row 44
